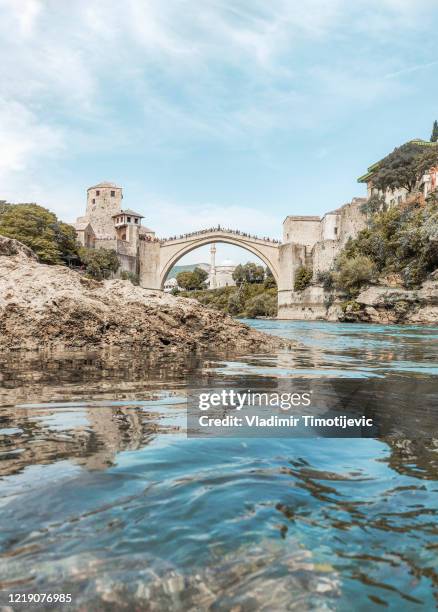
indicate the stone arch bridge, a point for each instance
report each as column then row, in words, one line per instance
column 157, row 257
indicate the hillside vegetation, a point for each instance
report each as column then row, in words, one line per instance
column 401, row 242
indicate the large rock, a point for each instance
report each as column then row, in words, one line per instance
column 386, row 305
column 54, row 307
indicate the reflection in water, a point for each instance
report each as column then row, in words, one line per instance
column 104, row 497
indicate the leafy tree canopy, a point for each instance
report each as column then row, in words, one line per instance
column 404, row 167
column 53, row 241
column 248, row 273
column 99, row 263
column 192, row 280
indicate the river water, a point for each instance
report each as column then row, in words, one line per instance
column 104, row 498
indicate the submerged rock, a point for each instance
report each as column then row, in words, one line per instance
column 53, row 307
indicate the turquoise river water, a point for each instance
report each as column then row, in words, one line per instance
column 105, row 498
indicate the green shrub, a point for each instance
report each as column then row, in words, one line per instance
column 303, row 277
column 235, row 304
column 99, row 263
column 263, row 305
column 351, row 305
column 131, row 276
column 353, row 272
column 326, row 280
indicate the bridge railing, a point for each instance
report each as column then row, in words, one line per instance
column 218, row 228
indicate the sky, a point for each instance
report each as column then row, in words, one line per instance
column 237, row 112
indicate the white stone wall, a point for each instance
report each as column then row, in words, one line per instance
column 329, row 227
column 302, row 305
column 222, row 277
column 302, row 230
column 324, row 254
column 352, row 221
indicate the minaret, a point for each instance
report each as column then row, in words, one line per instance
column 213, row 266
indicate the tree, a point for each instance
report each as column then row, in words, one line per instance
column 403, row 168
column 192, row 280
column 38, row 228
column 303, row 277
column 66, row 238
column 99, row 263
column 434, row 135
column 372, row 205
column 352, row 272
column 325, row 279
column 269, row 282
column 248, row 273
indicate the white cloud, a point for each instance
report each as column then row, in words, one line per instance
column 222, row 72
column 23, row 138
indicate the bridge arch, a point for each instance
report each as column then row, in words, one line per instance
column 172, row 251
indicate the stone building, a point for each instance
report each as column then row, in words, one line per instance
column 220, row 275
column 107, row 225
column 430, row 181
column 315, row 242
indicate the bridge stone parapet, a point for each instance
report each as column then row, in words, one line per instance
column 158, row 258
column 222, row 230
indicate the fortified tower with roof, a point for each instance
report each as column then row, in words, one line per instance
column 104, row 200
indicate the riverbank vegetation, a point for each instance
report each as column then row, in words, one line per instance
column 255, row 293
column 249, row 301
column 401, row 242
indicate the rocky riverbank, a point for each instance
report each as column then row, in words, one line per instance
column 391, row 304
column 53, row 307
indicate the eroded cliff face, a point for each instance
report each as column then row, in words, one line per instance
column 53, row 307
column 386, row 305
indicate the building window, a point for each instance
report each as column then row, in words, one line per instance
column 113, row 193
column 97, row 192
column 93, row 201
column 136, row 220
column 336, row 230
column 129, row 219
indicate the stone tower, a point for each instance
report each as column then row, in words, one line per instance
column 103, row 201
column 212, row 266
